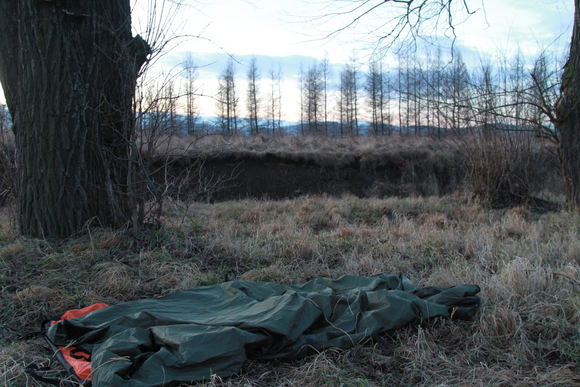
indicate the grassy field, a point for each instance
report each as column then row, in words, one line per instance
column 286, row 144
column 526, row 263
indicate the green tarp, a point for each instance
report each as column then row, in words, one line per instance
column 193, row 334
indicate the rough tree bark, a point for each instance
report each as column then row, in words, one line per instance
column 68, row 69
column 568, row 117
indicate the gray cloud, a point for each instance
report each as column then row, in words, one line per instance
column 211, row 65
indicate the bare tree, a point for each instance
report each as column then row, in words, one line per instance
column 313, row 89
column 274, row 108
column 543, row 96
column 227, row 100
column 341, row 108
column 373, row 85
column 191, row 90
column 486, row 97
column 437, row 90
column 400, row 93
column 349, row 83
column 253, row 101
column 278, row 79
column 172, row 125
column 456, row 94
column 156, row 116
column 385, row 103
column 302, row 92
column 325, row 72
column 517, row 80
column 415, row 80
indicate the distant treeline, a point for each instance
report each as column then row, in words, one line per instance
column 424, row 93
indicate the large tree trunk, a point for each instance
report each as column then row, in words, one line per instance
column 68, row 68
column 568, row 114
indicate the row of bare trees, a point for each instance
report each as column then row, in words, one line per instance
column 424, row 93
column 427, row 94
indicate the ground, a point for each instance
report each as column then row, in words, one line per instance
column 527, row 264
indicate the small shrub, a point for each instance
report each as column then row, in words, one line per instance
column 501, row 167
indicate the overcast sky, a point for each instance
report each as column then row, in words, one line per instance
column 290, row 32
column 288, row 27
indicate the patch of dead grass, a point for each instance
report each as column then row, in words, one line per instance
column 527, row 265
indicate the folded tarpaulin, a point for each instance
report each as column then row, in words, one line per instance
column 193, row 334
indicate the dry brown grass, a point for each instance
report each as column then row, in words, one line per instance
column 527, row 265
column 219, row 144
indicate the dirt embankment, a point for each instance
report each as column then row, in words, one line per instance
column 287, row 175
column 277, row 175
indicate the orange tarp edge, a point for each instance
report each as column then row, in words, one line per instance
column 80, row 360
